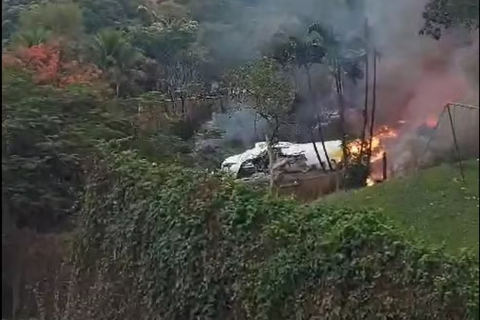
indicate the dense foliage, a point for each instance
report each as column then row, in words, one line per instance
column 47, row 133
column 190, row 245
column 266, row 90
column 443, row 14
column 44, row 62
column 101, row 104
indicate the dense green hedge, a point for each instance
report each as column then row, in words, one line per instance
column 173, row 243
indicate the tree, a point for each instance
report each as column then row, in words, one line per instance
column 374, row 105
column 173, row 46
column 47, row 134
column 182, row 78
column 46, row 66
column 11, row 11
column 116, row 56
column 33, row 37
column 269, row 92
column 303, row 53
column 343, row 58
column 362, row 163
column 64, row 20
column 102, row 14
column 170, row 10
column 444, row 14
column 58, row 23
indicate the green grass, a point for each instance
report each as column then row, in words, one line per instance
column 434, row 204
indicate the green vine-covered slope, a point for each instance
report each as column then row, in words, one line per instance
column 173, row 243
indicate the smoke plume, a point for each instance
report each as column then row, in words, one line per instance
column 417, row 75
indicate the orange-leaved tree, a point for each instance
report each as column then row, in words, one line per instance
column 45, row 63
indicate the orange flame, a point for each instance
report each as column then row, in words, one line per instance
column 431, row 122
column 382, row 136
column 378, row 147
column 378, row 139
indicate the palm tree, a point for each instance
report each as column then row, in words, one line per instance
column 307, row 53
column 343, row 59
column 374, row 103
column 293, row 52
column 366, row 146
column 367, row 80
column 32, row 37
column 114, row 54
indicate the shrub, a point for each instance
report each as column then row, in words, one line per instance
column 47, row 133
column 174, row 243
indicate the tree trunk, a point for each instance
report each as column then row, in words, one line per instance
column 174, row 106
column 384, row 166
column 374, row 105
column 320, row 133
column 255, row 127
column 316, row 151
column 182, row 99
column 322, row 140
column 339, row 89
column 159, row 84
column 295, row 79
column 271, row 160
column 365, row 106
column 58, row 66
column 117, row 89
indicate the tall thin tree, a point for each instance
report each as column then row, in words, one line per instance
column 367, row 80
column 302, row 54
column 374, row 105
column 310, row 56
column 332, row 47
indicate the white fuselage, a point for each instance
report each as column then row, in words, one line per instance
column 233, row 164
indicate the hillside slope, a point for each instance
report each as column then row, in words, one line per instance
column 434, row 204
column 200, row 246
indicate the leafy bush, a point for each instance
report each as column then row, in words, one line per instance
column 174, row 243
column 47, row 133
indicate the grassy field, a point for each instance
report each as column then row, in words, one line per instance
column 435, row 204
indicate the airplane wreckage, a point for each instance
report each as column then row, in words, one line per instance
column 253, row 164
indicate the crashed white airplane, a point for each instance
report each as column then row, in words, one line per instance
column 235, row 163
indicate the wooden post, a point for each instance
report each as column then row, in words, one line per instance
column 384, row 166
column 455, row 142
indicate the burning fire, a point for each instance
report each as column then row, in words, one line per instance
column 370, row 182
column 379, row 142
column 379, row 139
column 431, row 122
